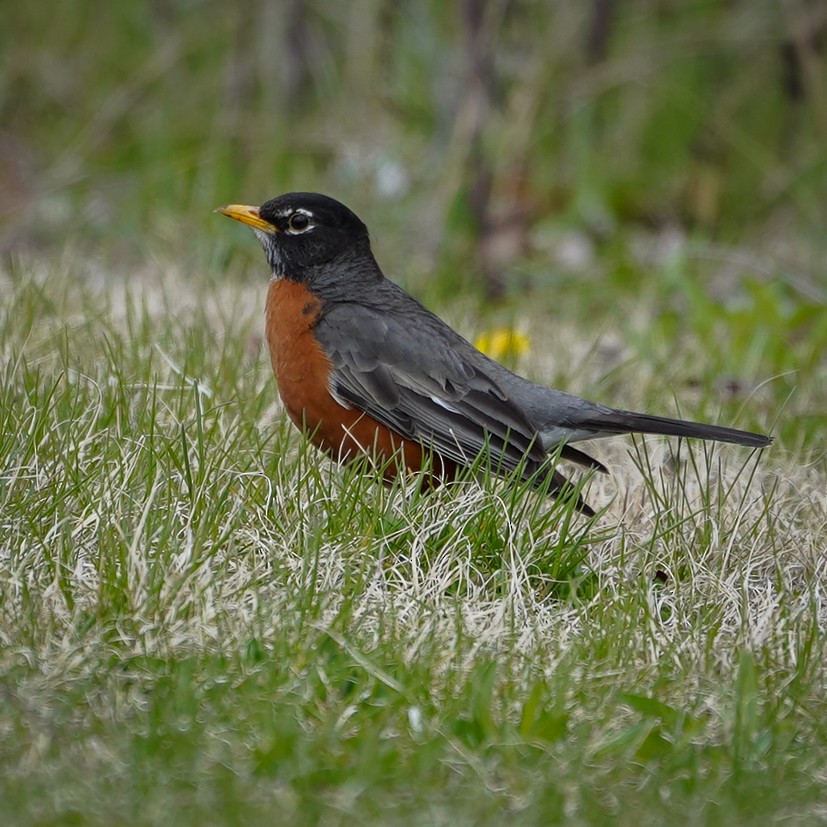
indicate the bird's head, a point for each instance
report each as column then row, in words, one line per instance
column 301, row 232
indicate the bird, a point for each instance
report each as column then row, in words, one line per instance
column 364, row 369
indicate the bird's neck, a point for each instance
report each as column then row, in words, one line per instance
column 345, row 278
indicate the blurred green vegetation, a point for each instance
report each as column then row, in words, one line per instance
column 610, row 156
column 125, row 124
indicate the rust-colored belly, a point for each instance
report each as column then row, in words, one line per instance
column 303, row 370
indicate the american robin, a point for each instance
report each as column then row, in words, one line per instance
column 363, row 368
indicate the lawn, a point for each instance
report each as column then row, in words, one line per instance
column 203, row 621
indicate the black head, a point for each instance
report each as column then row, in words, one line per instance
column 303, row 231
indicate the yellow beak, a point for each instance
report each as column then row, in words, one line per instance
column 247, row 215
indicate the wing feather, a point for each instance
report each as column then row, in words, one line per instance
column 411, row 382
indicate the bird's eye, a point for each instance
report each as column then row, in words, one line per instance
column 298, row 222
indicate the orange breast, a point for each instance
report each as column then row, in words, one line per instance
column 303, row 371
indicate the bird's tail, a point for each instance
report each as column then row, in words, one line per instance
column 610, row 421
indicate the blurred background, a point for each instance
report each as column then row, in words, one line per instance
column 597, row 153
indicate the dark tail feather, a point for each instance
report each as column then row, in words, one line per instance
column 609, row 421
column 562, row 487
column 559, row 486
column 625, row 422
column 573, row 455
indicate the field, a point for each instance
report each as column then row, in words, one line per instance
column 202, row 621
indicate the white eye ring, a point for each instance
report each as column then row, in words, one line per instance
column 300, row 222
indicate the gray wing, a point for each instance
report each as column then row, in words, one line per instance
column 415, row 380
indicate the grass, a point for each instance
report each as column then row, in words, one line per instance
column 203, row 622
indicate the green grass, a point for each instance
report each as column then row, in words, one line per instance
column 124, row 125
column 204, row 622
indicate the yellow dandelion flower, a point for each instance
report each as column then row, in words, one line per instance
column 503, row 343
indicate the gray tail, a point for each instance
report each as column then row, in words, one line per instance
column 627, row 422
column 609, row 421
